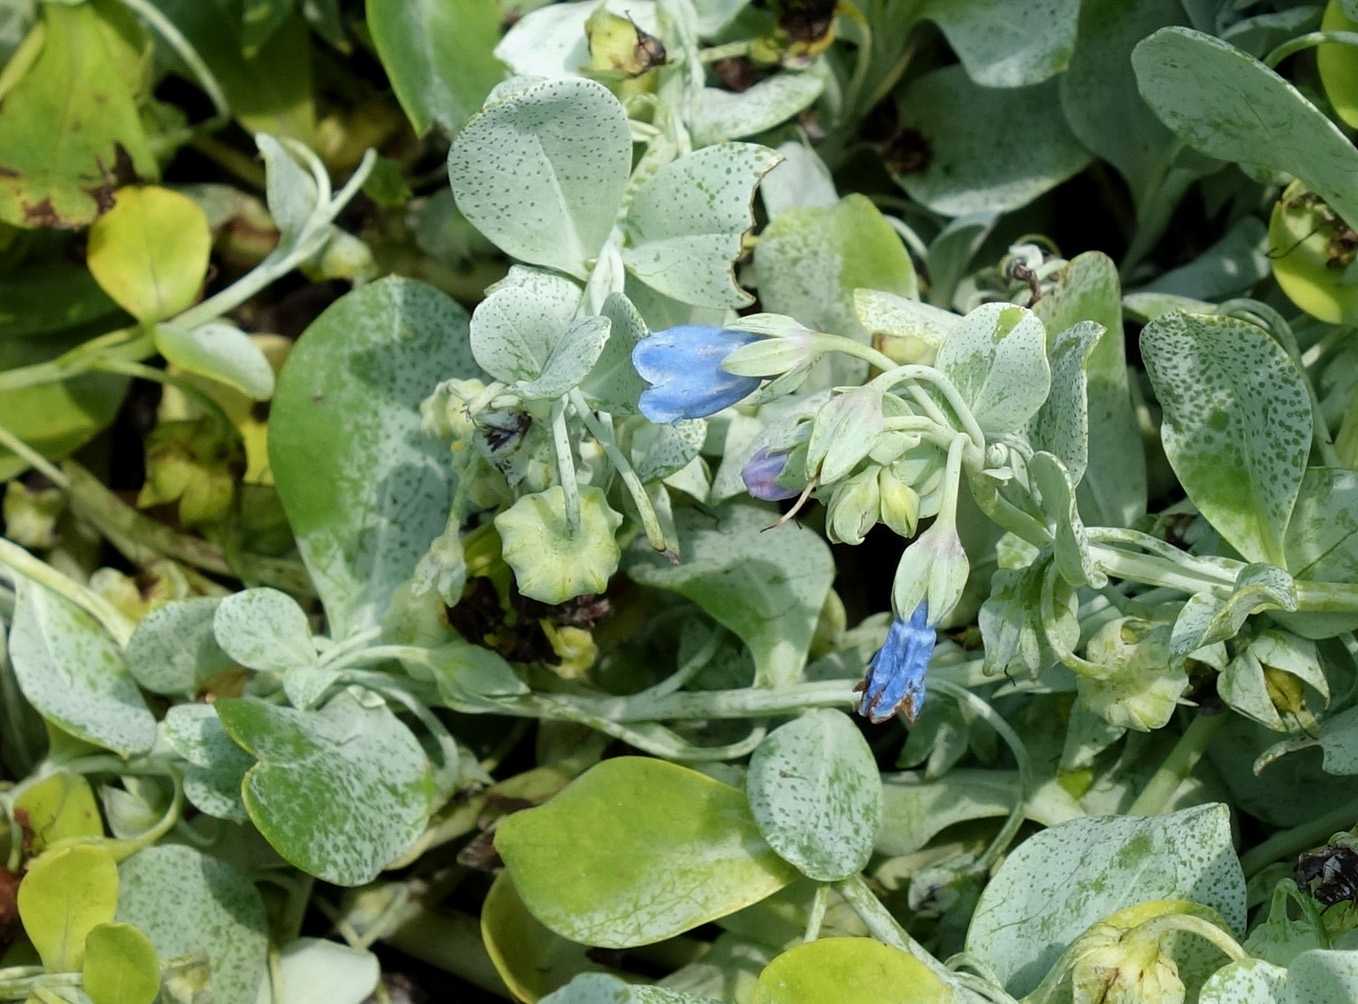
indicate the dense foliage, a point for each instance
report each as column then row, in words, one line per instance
column 436, row 436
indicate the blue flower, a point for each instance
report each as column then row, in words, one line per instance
column 895, row 680
column 760, row 475
column 683, row 366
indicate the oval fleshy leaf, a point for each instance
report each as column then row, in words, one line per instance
column 173, row 649
column 150, row 251
column 221, row 351
column 120, row 966
column 340, row 792
column 849, row 971
column 610, row 861
column 541, row 172
column 64, row 896
column 1237, row 424
column 189, row 903
column 264, row 629
column 997, row 360
column 815, row 792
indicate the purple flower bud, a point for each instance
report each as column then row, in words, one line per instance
column 760, row 475
column 683, row 366
column 895, row 681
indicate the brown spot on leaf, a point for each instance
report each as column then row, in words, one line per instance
column 43, row 214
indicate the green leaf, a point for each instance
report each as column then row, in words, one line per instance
column 725, row 115
column 189, row 903
column 766, row 585
column 72, row 117
column 979, row 162
column 364, row 489
column 1070, row 543
column 1321, row 543
column 516, row 328
column 1112, row 490
column 614, row 384
column 120, row 966
column 552, row 560
column 1322, row 976
column 315, row 971
column 684, row 225
column 849, row 971
column 1065, row 878
column 58, row 806
column 1338, row 65
column 1237, row 424
column 1228, row 105
column 1099, row 93
column 216, row 765
column 269, row 92
column 1247, row 981
column 220, row 351
column 541, row 172
column 571, row 359
column 259, row 20
column 340, row 792
column 1004, row 45
column 816, row 795
column 637, row 850
column 64, row 896
column 43, row 299
column 150, row 251
column 173, row 650
column 72, row 673
column 437, row 54
column 810, row 260
column 1061, row 425
column 532, row 959
column 997, row 360
column 263, row 629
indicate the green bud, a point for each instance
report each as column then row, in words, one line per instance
column 195, row 464
column 1124, row 967
column 788, row 346
column 617, row 45
column 934, row 568
column 31, row 516
column 899, row 503
column 844, row 430
column 853, row 509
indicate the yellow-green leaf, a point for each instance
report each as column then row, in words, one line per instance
column 150, row 251
column 120, row 966
column 63, row 897
column 637, row 850
column 60, row 805
column 849, row 971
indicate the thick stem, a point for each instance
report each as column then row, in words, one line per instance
column 1178, row 765
column 1286, row 843
column 883, row 926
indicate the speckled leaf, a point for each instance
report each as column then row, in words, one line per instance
column 849, row 971
column 552, row 41
column 1058, row 882
column 187, row 902
column 264, row 629
column 437, row 54
column 601, row 988
column 541, row 173
column 216, row 764
column 811, row 259
column 63, row 896
column 684, row 225
column 979, row 162
column 571, row 359
column 1322, row 543
column 637, row 850
column 724, row 115
column 173, row 649
column 997, row 360
column 1249, row 981
column 1237, row 424
column 1338, row 741
column 1070, row 543
column 364, row 489
column 1003, row 44
column 1229, row 105
column 340, row 792
column 1112, row 491
column 815, row 792
column 660, row 450
column 1061, row 425
column 1323, row 976
column 767, row 586
column 914, row 331
column 120, row 966
column 73, row 674
column 516, row 327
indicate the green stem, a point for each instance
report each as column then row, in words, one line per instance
column 603, row 434
column 1178, row 765
column 565, row 465
column 1158, row 927
column 816, row 915
column 883, row 926
column 1307, row 41
column 164, row 27
column 1286, row 843
column 113, row 620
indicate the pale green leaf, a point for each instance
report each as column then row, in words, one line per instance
column 1003, row 44
column 263, row 629
column 220, row 351
column 724, row 115
column 997, row 359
